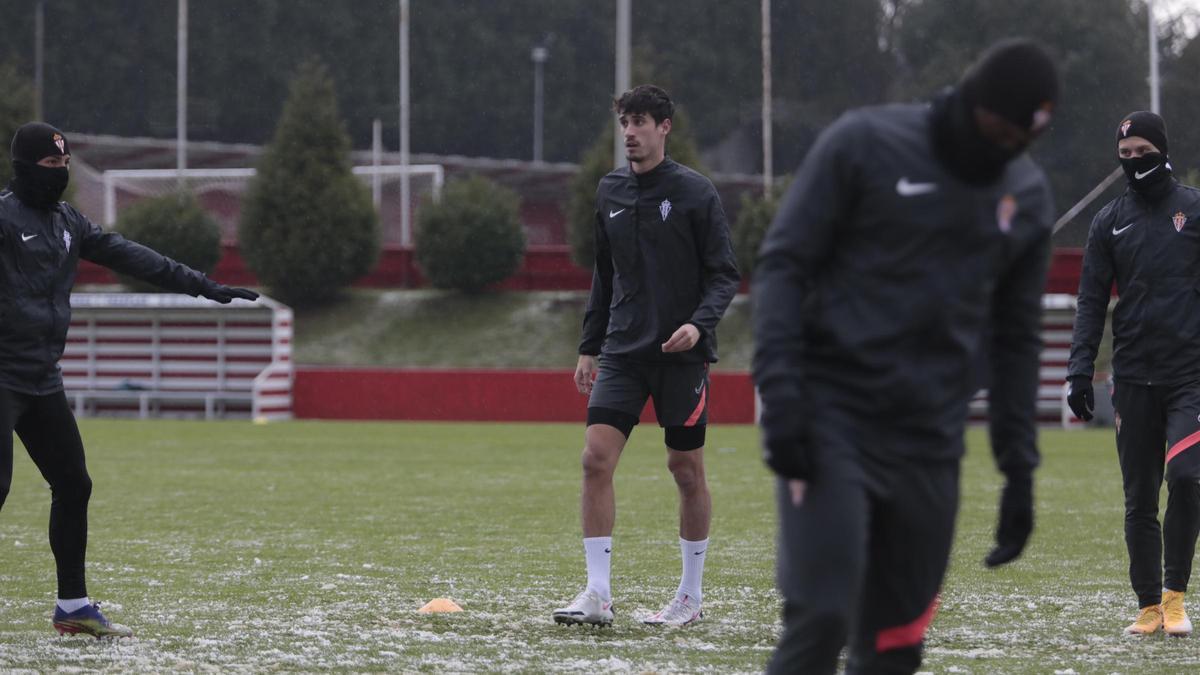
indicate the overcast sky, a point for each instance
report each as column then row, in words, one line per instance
column 1190, row 9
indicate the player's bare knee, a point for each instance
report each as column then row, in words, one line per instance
column 599, row 461
column 687, row 469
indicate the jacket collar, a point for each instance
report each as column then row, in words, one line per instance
column 653, row 176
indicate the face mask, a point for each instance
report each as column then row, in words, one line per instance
column 39, row 186
column 1147, row 171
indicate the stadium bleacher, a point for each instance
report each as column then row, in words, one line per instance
column 171, row 355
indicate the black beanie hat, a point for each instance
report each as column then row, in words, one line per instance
column 36, row 140
column 1017, row 80
column 1147, row 125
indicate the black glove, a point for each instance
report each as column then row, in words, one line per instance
column 225, row 294
column 1016, row 520
column 785, row 442
column 1081, row 397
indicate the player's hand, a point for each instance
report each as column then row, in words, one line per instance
column 1081, row 397
column 1015, row 522
column 683, row 339
column 785, row 439
column 585, row 373
column 225, row 294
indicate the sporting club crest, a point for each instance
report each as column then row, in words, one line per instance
column 665, row 208
column 60, row 143
column 1180, row 220
column 1125, row 128
column 1006, row 209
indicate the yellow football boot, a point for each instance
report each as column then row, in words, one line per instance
column 1149, row 620
column 1175, row 621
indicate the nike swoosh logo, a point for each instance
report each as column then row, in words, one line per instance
column 907, row 189
column 699, row 552
column 614, row 214
column 27, row 237
column 697, row 389
column 608, row 550
column 1116, row 231
column 1138, row 175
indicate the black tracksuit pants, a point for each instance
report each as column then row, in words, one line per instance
column 861, row 560
column 47, row 428
column 1158, row 434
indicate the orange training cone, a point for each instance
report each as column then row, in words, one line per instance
column 440, row 605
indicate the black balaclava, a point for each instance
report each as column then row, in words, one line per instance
column 1150, row 174
column 1015, row 79
column 38, row 186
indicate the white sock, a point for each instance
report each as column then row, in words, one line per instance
column 598, row 551
column 73, row 604
column 694, row 553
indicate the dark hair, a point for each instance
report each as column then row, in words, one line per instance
column 646, row 99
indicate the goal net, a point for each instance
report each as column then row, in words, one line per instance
column 220, row 192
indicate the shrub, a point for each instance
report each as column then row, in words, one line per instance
column 754, row 217
column 472, row 237
column 308, row 227
column 175, row 226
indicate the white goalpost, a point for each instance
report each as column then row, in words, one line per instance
column 220, row 191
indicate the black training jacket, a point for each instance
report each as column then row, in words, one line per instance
column 1152, row 251
column 663, row 259
column 876, row 285
column 39, row 256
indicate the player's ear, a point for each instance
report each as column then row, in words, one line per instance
column 666, row 125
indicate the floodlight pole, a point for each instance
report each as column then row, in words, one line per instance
column 39, row 49
column 624, row 19
column 1154, row 90
column 768, row 156
column 181, row 95
column 539, row 55
column 405, row 187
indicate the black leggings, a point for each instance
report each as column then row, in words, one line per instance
column 47, row 427
column 1158, row 435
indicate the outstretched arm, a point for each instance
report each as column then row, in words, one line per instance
column 112, row 250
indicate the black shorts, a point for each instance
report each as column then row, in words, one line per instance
column 679, row 391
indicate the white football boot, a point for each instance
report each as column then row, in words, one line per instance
column 587, row 607
column 681, row 611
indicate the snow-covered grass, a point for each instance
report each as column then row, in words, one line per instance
column 232, row 547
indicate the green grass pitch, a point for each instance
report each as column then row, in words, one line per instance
column 310, row 546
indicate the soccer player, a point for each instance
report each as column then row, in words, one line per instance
column 664, row 275
column 913, row 239
column 42, row 240
column 1147, row 240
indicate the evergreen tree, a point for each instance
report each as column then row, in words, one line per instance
column 16, row 108
column 308, row 226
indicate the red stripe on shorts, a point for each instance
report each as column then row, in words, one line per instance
column 691, row 421
column 1183, row 445
column 908, row 635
